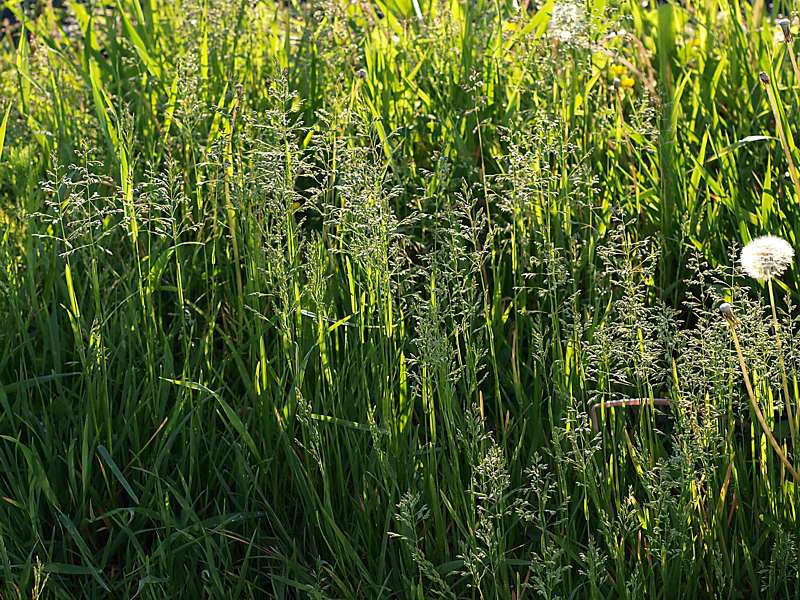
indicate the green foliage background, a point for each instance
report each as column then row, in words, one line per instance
column 315, row 300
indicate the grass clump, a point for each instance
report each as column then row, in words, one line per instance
column 397, row 300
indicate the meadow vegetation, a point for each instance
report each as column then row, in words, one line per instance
column 346, row 299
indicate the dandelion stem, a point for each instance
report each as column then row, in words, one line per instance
column 759, row 415
column 781, row 133
column 782, row 364
column 793, row 58
column 788, row 38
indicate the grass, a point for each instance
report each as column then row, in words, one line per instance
column 315, row 300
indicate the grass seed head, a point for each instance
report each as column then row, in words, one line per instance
column 766, row 257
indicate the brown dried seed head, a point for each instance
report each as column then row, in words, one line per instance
column 785, row 26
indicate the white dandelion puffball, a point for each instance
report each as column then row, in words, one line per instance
column 766, row 257
column 568, row 20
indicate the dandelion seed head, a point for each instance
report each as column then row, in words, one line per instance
column 567, row 21
column 766, row 257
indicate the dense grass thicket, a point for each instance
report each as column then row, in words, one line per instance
column 397, row 299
